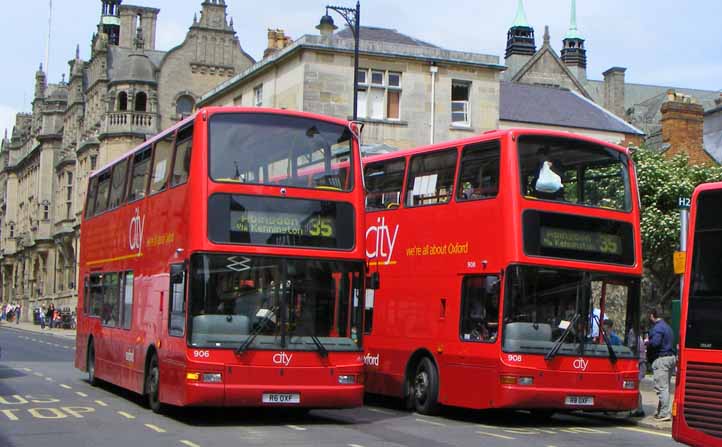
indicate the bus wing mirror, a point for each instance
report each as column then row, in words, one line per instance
column 373, row 281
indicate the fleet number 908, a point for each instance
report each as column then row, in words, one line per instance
column 516, row 358
column 201, row 354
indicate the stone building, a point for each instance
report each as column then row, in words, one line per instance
column 397, row 76
column 125, row 92
column 641, row 107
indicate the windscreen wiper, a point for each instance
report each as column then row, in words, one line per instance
column 257, row 330
column 555, row 349
column 322, row 351
column 612, row 354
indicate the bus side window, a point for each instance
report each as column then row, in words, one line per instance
column 127, row 294
column 431, row 178
column 110, row 312
column 182, row 159
column 384, row 182
column 177, row 312
column 479, row 173
column 480, row 308
column 103, row 191
column 117, row 184
column 139, row 178
column 90, row 204
column 161, row 163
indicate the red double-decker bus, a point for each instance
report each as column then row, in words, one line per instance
column 503, row 258
column 697, row 408
column 223, row 263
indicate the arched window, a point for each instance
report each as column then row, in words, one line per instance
column 141, row 102
column 184, row 105
column 122, row 101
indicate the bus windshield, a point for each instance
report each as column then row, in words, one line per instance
column 268, row 149
column 542, row 303
column 272, row 302
column 574, row 171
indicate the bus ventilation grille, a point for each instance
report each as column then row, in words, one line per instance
column 703, row 398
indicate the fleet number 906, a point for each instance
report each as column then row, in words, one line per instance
column 201, row 354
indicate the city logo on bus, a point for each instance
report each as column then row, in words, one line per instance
column 580, row 363
column 371, row 360
column 239, row 265
column 281, row 358
column 380, row 241
column 135, row 232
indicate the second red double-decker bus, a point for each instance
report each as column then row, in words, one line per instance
column 223, row 263
column 510, row 268
column 697, row 408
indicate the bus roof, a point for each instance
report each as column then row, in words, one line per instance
column 491, row 135
column 213, row 110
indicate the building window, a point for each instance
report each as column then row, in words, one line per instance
column 238, row 100
column 69, row 195
column 381, row 97
column 122, row 101
column 258, row 96
column 460, row 92
column 12, row 231
column 46, row 212
column 93, row 162
column 141, row 102
column 184, row 106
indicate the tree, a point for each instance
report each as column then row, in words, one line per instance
column 661, row 183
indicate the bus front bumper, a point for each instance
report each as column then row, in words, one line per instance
column 530, row 397
column 255, row 395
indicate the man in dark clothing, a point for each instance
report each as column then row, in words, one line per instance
column 661, row 353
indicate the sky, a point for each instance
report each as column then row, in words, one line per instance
column 660, row 42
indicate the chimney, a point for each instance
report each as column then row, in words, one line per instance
column 277, row 40
column 614, row 90
column 683, row 128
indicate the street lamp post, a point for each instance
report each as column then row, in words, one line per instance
column 353, row 18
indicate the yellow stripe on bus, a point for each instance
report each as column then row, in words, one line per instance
column 119, row 258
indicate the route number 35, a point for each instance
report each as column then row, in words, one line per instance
column 201, row 354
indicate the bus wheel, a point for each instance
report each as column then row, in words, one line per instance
column 91, row 365
column 426, row 387
column 153, row 385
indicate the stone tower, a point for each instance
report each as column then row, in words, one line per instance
column 110, row 20
column 573, row 53
column 520, row 46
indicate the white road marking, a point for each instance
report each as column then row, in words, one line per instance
column 439, row 424
column 188, row 443
column 50, row 379
column 296, row 427
column 155, row 428
column 649, row 432
column 81, row 394
column 126, row 415
column 101, row 403
column 62, row 385
column 38, row 374
column 376, row 410
column 494, row 435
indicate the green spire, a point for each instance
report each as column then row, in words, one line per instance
column 573, row 33
column 520, row 19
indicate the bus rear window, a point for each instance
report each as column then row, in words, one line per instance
column 270, row 149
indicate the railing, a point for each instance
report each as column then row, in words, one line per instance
column 141, row 122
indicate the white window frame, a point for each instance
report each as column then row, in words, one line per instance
column 367, row 86
column 258, row 95
column 465, row 105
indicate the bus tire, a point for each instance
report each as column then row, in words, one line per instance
column 90, row 365
column 425, row 387
column 152, row 385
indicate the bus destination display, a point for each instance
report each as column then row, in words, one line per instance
column 283, row 223
column 564, row 239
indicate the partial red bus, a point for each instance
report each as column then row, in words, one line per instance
column 499, row 256
column 223, row 263
column 697, row 408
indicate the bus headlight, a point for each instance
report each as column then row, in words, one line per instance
column 212, row 377
column 629, row 385
column 525, row 381
column 346, row 380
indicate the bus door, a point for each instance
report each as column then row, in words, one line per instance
column 175, row 343
column 473, row 360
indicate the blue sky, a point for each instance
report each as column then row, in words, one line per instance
column 660, row 42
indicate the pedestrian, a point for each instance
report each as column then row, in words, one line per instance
column 661, row 353
column 41, row 316
column 18, row 311
column 49, row 315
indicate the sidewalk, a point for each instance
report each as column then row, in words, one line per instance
column 30, row 327
column 649, row 401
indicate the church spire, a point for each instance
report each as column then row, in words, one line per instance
column 520, row 37
column 520, row 19
column 574, row 55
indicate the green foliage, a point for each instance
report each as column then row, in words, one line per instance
column 661, row 183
